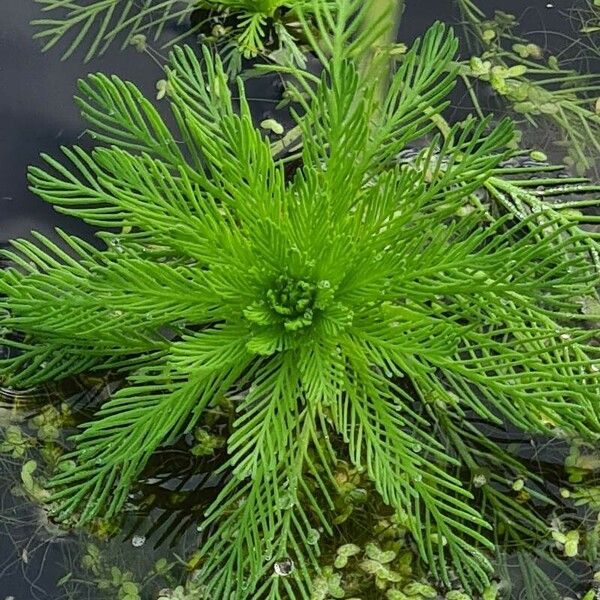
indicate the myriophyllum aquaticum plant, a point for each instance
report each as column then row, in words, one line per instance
column 357, row 306
column 242, row 28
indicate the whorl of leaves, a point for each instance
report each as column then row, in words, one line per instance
column 360, row 299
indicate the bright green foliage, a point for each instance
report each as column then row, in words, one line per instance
column 253, row 18
column 244, row 25
column 97, row 23
column 353, row 301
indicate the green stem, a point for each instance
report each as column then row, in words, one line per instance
column 378, row 62
column 378, row 9
column 471, row 12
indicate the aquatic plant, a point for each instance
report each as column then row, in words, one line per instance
column 243, row 27
column 347, row 302
column 540, row 89
column 246, row 27
column 587, row 19
column 98, row 23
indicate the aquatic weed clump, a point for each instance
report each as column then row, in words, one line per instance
column 355, row 299
column 242, row 29
column 549, row 95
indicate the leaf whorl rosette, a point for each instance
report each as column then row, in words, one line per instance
column 363, row 299
column 294, row 312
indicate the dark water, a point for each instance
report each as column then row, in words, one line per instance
column 37, row 115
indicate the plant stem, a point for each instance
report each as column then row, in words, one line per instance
column 378, row 61
column 378, row 9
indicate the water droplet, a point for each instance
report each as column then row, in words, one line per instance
column 417, row 447
column 116, row 244
column 284, row 567
column 138, row 540
column 418, row 477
